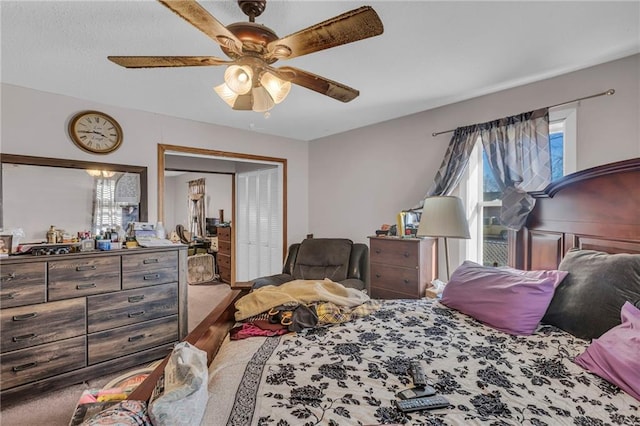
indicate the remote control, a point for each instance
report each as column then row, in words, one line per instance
column 418, row 371
column 424, row 403
column 416, row 392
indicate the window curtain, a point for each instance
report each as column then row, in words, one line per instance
column 518, row 154
column 196, row 201
column 519, row 157
column 106, row 212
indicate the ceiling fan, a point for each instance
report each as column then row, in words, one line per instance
column 251, row 83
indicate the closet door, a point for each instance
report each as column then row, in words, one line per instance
column 259, row 230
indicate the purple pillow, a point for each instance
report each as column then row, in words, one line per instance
column 507, row 299
column 615, row 356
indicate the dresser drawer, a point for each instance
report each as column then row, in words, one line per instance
column 107, row 311
column 224, row 233
column 224, row 261
column 403, row 281
column 224, row 247
column 82, row 277
column 22, row 284
column 225, row 274
column 48, row 360
column 395, row 252
column 133, row 338
column 43, row 323
column 141, row 270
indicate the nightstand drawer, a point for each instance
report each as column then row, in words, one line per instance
column 141, row 270
column 132, row 338
column 27, row 365
column 82, row 277
column 22, row 284
column 107, row 311
column 404, row 281
column 28, row 326
column 397, row 252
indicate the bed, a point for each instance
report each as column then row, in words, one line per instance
column 349, row 373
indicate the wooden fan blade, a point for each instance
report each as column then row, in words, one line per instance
column 316, row 83
column 166, row 61
column 197, row 16
column 351, row 26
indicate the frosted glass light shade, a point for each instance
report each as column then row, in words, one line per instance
column 227, row 95
column 239, row 78
column 277, row 88
column 262, row 101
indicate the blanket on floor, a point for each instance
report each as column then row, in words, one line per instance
column 297, row 292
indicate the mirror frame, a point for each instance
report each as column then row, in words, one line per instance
column 82, row 165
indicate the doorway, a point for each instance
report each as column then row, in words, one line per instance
column 237, row 165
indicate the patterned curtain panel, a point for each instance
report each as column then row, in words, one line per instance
column 519, row 157
column 454, row 164
column 196, row 207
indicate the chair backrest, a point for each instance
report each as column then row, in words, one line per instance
column 334, row 258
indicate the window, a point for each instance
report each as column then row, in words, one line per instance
column 490, row 248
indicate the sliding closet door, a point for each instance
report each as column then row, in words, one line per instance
column 259, row 228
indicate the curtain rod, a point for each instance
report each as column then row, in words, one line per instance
column 608, row 92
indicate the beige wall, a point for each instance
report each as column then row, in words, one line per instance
column 344, row 185
column 363, row 178
column 35, row 123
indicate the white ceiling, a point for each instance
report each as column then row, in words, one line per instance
column 430, row 54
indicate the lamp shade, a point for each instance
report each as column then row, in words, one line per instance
column 239, row 78
column 278, row 89
column 443, row 216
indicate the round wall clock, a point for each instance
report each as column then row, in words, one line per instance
column 95, row 132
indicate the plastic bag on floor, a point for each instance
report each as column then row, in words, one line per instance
column 184, row 399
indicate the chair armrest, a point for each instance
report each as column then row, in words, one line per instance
column 354, row 283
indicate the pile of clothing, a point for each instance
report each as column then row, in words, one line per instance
column 296, row 305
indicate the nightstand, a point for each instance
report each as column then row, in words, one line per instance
column 402, row 268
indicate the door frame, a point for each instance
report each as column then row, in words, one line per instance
column 231, row 156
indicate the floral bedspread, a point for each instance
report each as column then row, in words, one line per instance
column 349, row 374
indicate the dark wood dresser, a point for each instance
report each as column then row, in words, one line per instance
column 225, row 251
column 401, row 268
column 71, row 317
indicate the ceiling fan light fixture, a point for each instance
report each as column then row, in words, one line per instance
column 278, row 89
column 262, row 100
column 239, row 78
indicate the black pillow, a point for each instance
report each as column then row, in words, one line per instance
column 587, row 302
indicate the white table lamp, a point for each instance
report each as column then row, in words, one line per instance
column 443, row 216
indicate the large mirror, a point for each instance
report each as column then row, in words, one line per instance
column 73, row 196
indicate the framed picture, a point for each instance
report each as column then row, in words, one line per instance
column 5, row 245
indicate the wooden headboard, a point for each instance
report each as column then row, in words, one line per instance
column 597, row 208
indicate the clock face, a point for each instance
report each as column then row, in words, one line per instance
column 95, row 132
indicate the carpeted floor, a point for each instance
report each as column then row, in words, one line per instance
column 56, row 408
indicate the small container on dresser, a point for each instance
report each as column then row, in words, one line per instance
column 401, row 268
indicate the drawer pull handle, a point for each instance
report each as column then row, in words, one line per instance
column 378, row 251
column 151, row 277
column 407, row 254
column 9, row 277
column 406, row 281
column 136, row 314
column 8, row 296
column 134, row 338
column 24, row 337
column 136, row 299
column 25, row 316
column 86, row 268
column 25, row 366
column 148, row 261
column 85, row 286
column 378, row 275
